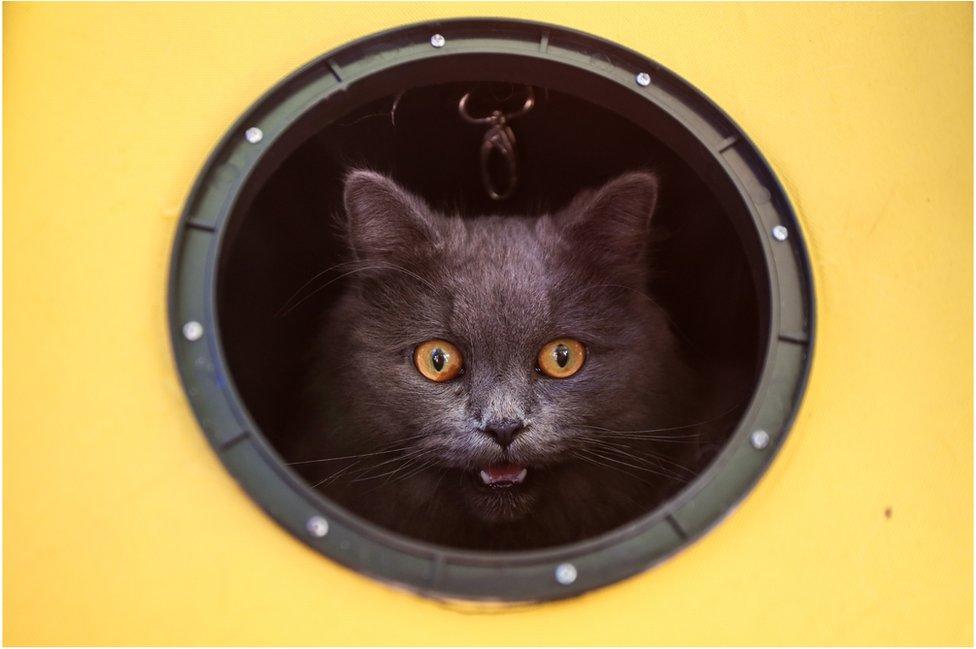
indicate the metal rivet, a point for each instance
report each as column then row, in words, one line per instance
column 192, row 330
column 780, row 233
column 565, row 573
column 437, row 40
column 253, row 135
column 317, row 526
column 759, row 439
column 643, row 79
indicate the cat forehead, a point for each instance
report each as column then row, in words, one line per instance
column 508, row 254
column 500, row 268
column 500, row 238
column 494, row 271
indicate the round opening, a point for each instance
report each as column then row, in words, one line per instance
column 291, row 335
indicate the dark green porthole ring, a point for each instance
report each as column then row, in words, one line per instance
column 534, row 54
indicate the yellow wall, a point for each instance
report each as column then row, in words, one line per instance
column 120, row 525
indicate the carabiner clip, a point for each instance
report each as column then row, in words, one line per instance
column 501, row 139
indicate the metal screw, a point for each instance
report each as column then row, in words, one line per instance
column 317, row 526
column 780, row 233
column 437, row 40
column 192, row 330
column 759, row 439
column 565, row 573
column 253, row 135
column 643, row 79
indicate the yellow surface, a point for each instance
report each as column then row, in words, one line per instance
column 121, row 526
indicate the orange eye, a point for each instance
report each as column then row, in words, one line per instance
column 438, row 360
column 561, row 358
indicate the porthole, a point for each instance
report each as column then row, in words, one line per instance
column 730, row 269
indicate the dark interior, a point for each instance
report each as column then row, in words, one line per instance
column 285, row 235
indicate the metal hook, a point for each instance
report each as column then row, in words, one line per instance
column 497, row 114
column 498, row 138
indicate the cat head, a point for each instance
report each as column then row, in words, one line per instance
column 496, row 349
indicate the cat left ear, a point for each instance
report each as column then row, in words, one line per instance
column 385, row 220
column 611, row 226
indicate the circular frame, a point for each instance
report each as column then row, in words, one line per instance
column 534, row 54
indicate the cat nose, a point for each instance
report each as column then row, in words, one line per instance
column 503, row 430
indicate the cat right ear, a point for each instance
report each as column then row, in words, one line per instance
column 609, row 227
column 383, row 219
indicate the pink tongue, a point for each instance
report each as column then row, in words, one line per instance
column 502, row 472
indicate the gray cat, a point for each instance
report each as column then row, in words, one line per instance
column 499, row 382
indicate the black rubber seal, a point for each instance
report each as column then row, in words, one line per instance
column 527, row 53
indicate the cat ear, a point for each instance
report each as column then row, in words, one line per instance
column 610, row 226
column 383, row 219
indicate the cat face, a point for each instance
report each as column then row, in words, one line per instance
column 492, row 352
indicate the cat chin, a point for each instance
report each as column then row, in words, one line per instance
column 498, row 506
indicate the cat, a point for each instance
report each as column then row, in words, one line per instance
column 499, row 382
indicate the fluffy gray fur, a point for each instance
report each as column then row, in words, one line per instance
column 601, row 447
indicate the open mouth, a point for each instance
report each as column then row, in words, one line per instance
column 501, row 493
column 503, row 476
